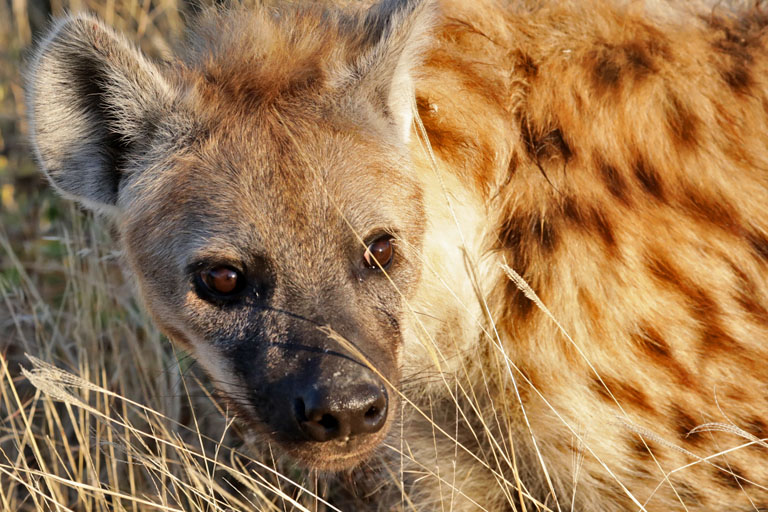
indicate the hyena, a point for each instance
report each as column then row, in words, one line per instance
column 523, row 244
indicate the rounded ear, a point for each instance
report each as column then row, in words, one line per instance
column 93, row 99
column 395, row 33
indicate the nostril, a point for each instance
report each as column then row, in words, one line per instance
column 315, row 422
column 375, row 415
column 329, row 423
column 300, row 410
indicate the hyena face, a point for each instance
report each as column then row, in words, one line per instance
column 263, row 196
column 255, row 276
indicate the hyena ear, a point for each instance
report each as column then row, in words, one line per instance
column 93, row 101
column 395, row 34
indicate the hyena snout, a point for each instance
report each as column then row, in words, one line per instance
column 339, row 409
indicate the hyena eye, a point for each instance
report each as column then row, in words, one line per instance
column 222, row 280
column 381, row 250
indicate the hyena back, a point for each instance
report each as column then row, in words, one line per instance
column 580, row 252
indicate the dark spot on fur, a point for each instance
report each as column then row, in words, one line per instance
column 521, row 305
column 683, row 423
column 714, row 338
column 690, row 496
column 590, row 219
column 526, row 236
column 733, row 48
column 514, row 162
column 544, row 144
column 682, row 121
column 571, row 210
column 529, row 68
column 664, row 270
column 734, row 40
column 648, row 178
column 702, row 304
column 730, row 476
column 612, row 179
column 738, row 77
column 606, row 73
column 602, row 226
column 423, row 106
column 652, row 345
column 759, row 244
column 626, row 394
column 638, row 58
column 641, row 449
column 748, row 296
column 522, row 231
column 711, row 210
column 704, row 308
column 633, row 60
column 757, row 427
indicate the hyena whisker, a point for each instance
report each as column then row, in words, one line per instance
column 424, row 313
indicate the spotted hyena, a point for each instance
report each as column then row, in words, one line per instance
column 523, row 244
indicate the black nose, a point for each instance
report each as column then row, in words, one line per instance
column 325, row 413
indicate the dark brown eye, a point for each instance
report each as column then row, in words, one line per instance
column 222, row 280
column 381, row 250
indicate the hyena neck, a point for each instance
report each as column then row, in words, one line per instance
column 461, row 170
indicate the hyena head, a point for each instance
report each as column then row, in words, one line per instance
column 262, row 189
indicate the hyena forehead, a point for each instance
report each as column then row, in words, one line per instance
column 329, row 192
column 313, row 60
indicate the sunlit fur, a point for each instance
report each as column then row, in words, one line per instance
column 583, row 304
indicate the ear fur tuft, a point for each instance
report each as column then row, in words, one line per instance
column 397, row 31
